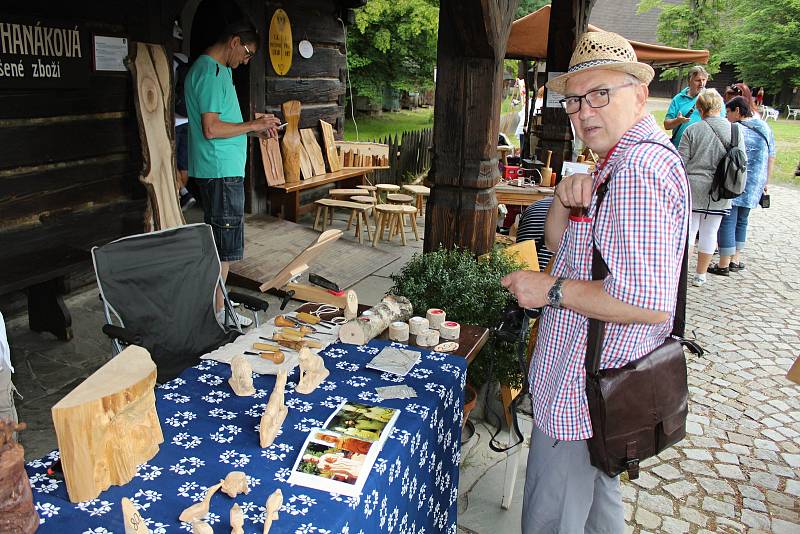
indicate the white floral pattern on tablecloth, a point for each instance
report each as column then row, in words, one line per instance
column 208, row 432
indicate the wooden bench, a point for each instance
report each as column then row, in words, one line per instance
column 285, row 198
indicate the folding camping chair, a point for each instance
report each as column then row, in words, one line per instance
column 158, row 292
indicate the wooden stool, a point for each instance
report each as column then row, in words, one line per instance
column 371, row 188
column 385, row 189
column 389, row 216
column 411, row 211
column 420, row 191
column 366, row 200
column 342, row 194
column 357, row 210
column 399, row 198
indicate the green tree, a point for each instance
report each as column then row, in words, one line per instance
column 766, row 50
column 692, row 24
column 393, row 45
column 529, row 6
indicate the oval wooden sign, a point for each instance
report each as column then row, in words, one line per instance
column 280, row 42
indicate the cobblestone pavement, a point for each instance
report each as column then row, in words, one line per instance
column 737, row 470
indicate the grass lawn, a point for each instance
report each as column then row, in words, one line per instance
column 787, row 146
column 371, row 127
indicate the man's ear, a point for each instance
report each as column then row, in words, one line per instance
column 641, row 96
column 235, row 41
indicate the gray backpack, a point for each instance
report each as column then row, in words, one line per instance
column 730, row 177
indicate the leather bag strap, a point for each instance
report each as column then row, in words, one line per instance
column 594, row 341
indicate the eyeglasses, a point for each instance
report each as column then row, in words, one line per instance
column 247, row 51
column 598, row 98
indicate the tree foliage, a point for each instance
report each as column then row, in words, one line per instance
column 692, row 24
column 393, row 45
column 529, row 6
column 766, row 50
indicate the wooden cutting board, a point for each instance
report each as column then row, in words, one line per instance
column 291, row 144
column 271, row 159
column 329, row 142
column 313, row 150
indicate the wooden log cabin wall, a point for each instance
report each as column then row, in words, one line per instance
column 70, row 148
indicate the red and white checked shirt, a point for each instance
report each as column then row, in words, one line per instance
column 640, row 233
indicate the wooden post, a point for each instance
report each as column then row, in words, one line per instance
column 462, row 208
column 568, row 19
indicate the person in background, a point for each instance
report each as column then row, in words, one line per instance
column 218, row 142
column 7, row 410
column 531, row 228
column 759, row 144
column 537, row 105
column 760, row 98
column 702, row 147
column 180, row 67
column 741, row 89
column 681, row 112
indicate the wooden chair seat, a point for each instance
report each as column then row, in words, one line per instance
column 371, row 188
column 420, row 192
column 385, row 189
column 399, row 198
column 358, row 211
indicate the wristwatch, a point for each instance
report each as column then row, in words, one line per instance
column 555, row 293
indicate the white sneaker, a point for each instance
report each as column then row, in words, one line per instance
column 698, row 280
column 244, row 321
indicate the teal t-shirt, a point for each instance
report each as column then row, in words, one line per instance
column 682, row 103
column 209, row 89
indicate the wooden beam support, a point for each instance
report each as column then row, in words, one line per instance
column 568, row 20
column 472, row 41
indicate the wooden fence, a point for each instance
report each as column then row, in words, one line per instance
column 409, row 155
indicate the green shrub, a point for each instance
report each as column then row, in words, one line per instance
column 470, row 292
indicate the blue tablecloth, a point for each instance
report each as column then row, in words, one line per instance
column 209, row 431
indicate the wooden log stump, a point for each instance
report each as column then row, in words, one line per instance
column 17, row 514
column 107, row 426
column 362, row 329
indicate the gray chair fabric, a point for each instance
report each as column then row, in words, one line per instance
column 160, row 286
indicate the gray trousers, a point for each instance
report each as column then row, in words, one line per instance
column 565, row 494
column 7, row 390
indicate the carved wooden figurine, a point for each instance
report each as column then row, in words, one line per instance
column 241, row 379
column 312, row 371
column 201, row 527
column 237, row 519
column 199, row 510
column 17, row 514
column 274, row 413
column 235, row 483
column 274, row 503
column 351, row 308
column 107, row 426
column 134, row 524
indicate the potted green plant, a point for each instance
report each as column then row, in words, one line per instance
column 470, row 292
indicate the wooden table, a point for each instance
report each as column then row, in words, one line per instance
column 520, row 196
column 470, row 343
column 286, row 198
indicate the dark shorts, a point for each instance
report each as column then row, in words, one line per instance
column 223, row 206
column 182, row 146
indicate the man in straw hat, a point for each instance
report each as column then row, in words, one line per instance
column 640, row 231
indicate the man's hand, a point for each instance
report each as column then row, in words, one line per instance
column 681, row 119
column 575, row 191
column 266, row 126
column 529, row 287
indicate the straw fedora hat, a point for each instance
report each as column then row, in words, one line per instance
column 606, row 51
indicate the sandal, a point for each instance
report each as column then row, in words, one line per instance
column 736, row 267
column 719, row 271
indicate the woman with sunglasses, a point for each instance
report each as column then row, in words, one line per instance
column 760, row 147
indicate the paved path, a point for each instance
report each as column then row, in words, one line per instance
column 738, row 469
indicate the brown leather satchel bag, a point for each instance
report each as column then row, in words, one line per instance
column 640, row 409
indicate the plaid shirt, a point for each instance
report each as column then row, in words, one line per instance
column 640, row 233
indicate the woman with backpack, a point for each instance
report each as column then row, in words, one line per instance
column 702, row 148
column 760, row 147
